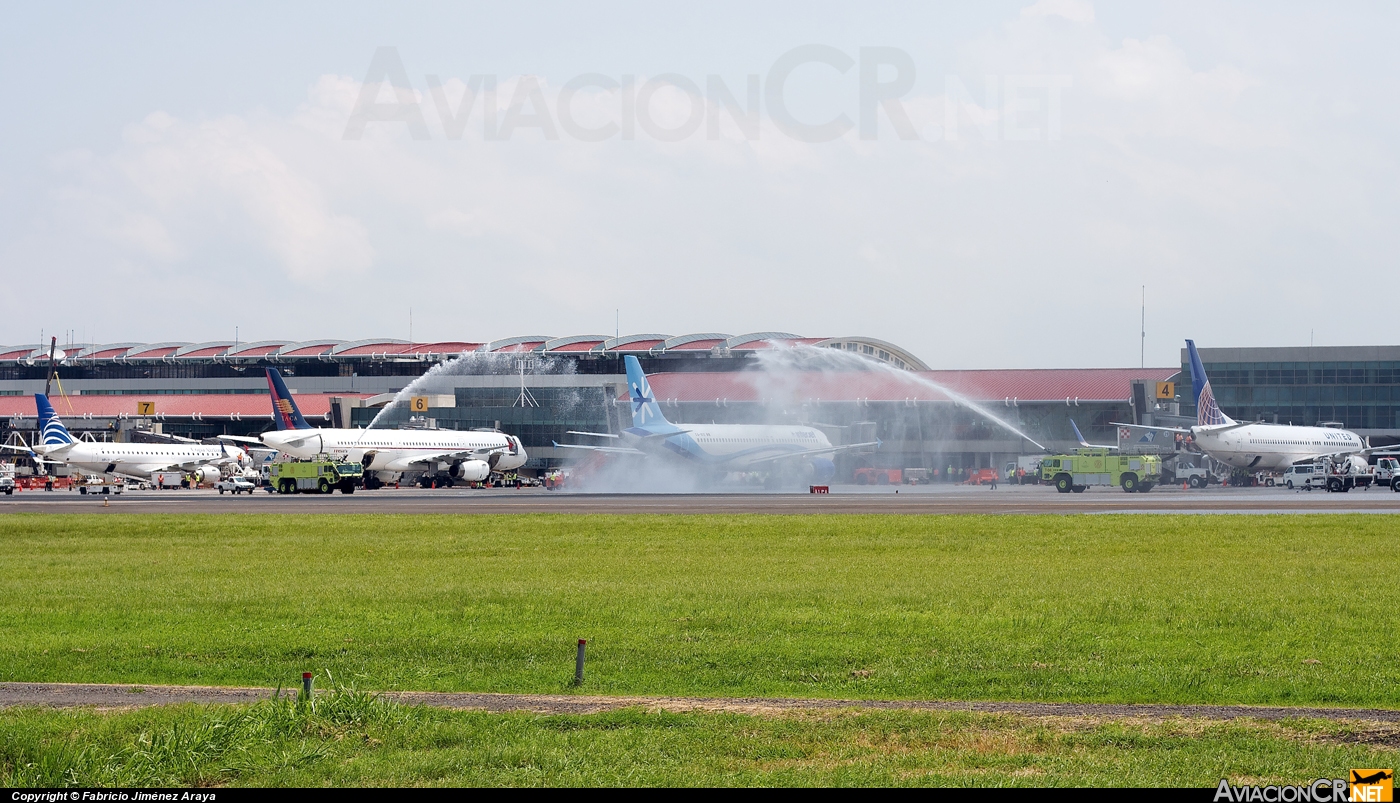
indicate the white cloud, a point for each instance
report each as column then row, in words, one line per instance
column 1173, row 170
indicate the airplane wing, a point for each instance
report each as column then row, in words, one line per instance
column 592, row 434
column 460, row 454
column 1084, row 443
column 814, row 452
column 239, row 438
column 1173, row 429
column 603, row 449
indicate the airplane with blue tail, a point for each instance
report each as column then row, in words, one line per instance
column 794, row 452
column 1255, row 445
column 55, row 444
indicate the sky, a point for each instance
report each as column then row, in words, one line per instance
column 997, row 185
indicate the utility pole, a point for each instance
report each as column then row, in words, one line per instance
column 1142, row 351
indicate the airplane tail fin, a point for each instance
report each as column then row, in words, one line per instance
column 1208, row 413
column 645, row 411
column 51, row 430
column 284, row 407
column 1077, row 434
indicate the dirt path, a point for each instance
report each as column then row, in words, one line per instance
column 67, row 695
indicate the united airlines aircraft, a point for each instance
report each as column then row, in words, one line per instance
column 1254, row 445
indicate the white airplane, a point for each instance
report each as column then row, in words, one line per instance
column 782, row 449
column 469, row 456
column 139, row 460
column 1255, row 445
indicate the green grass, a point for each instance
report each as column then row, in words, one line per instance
column 1235, row 609
column 354, row 739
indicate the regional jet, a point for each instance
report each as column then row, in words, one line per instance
column 1255, row 445
column 140, row 460
column 389, row 453
column 798, row 452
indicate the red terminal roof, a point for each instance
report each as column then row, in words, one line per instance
column 311, row 351
column 1087, row 384
column 205, row 352
column 697, row 345
column 445, row 347
column 638, row 345
column 210, row 405
column 152, row 353
column 258, row 351
column 582, row 345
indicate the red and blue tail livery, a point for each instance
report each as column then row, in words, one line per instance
column 284, row 408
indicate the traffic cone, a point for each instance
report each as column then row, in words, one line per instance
column 1185, row 485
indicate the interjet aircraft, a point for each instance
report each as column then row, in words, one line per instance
column 389, row 453
column 796, row 452
column 208, row 463
column 1255, row 445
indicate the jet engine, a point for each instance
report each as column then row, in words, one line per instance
column 470, row 470
column 820, row 469
column 207, row 475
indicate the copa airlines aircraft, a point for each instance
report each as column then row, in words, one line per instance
column 140, row 460
column 726, row 447
column 470, row 456
column 1257, row 446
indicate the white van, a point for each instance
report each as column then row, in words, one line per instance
column 1299, row 476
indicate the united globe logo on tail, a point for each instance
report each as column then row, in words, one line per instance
column 1208, row 413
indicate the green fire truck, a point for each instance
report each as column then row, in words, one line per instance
column 315, row 477
column 1075, row 472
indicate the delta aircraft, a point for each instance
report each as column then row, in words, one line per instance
column 793, row 451
column 1255, row 445
column 389, row 453
column 140, row 460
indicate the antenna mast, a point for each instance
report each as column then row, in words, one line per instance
column 525, row 399
column 48, row 380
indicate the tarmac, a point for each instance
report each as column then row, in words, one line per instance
column 110, row 696
column 911, row 500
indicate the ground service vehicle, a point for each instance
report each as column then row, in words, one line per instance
column 94, row 483
column 1341, row 473
column 237, row 485
column 1388, row 472
column 7, row 478
column 1086, row 467
column 1194, row 476
column 1026, row 469
column 1299, row 476
column 879, row 476
column 315, row 476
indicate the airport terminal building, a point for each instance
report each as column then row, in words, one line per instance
column 539, row 388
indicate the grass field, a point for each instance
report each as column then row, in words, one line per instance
column 352, row 739
column 1231, row 609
